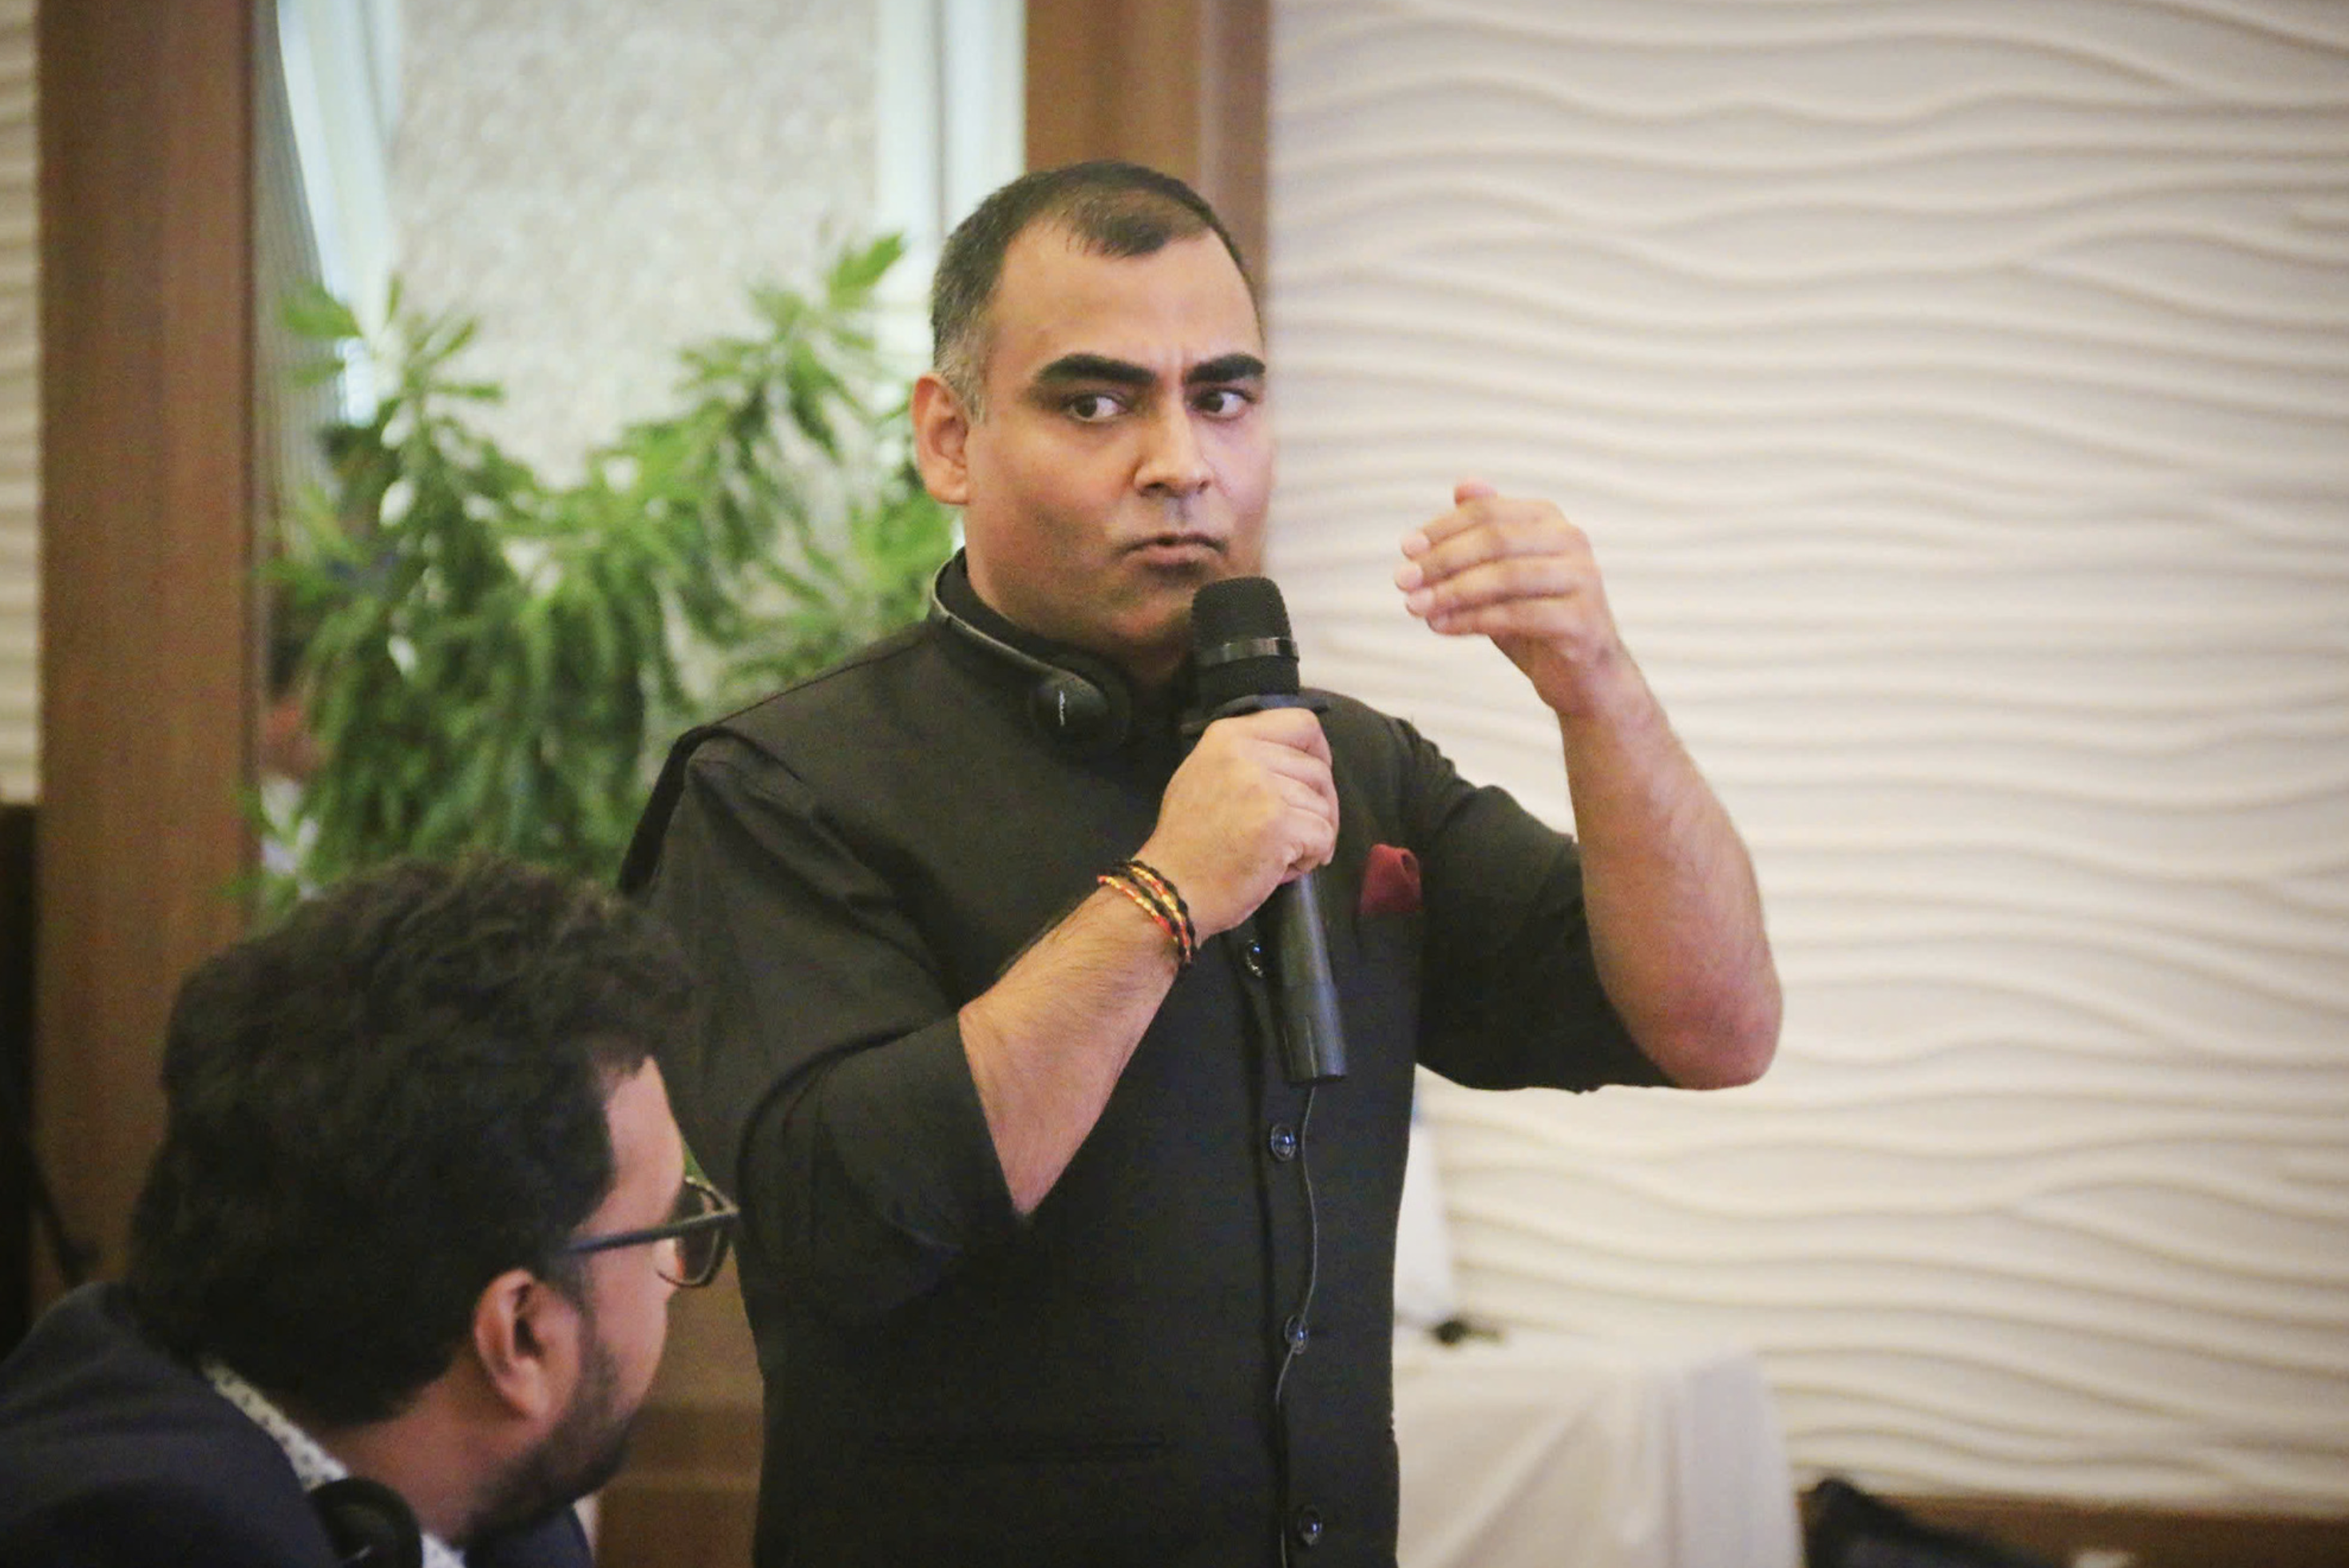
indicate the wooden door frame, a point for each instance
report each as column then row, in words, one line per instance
column 148, row 652
column 1183, row 85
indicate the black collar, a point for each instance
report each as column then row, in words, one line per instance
column 1152, row 711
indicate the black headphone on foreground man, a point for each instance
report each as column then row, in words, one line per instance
column 1081, row 702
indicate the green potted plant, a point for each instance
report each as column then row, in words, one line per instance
column 488, row 662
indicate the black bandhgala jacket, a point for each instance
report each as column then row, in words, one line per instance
column 850, row 861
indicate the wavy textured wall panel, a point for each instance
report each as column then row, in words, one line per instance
column 1958, row 397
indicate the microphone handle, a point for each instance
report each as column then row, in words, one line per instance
column 1304, row 996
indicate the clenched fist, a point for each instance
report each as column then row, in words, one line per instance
column 1250, row 808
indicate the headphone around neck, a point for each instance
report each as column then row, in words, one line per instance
column 1081, row 702
column 369, row 1524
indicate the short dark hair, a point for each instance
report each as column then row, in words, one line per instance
column 1109, row 208
column 374, row 1109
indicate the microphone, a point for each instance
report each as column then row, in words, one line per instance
column 1245, row 662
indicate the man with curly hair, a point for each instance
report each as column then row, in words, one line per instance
column 399, row 1274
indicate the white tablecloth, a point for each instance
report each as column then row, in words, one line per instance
column 1549, row 1451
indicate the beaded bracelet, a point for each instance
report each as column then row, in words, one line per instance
column 1155, row 897
column 1152, row 879
column 1144, row 901
column 1163, row 890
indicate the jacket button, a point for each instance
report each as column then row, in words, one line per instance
column 1295, row 1333
column 1306, row 1525
column 1282, row 1141
column 1252, row 959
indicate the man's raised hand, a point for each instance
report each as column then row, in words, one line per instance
column 1517, row 572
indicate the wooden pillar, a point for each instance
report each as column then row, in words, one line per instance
column 17, row 922
column 1180, row 84
column 146, row 548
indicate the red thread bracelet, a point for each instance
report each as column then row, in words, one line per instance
column 1148, row 906
column 1161, row 889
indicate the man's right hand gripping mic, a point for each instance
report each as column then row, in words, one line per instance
column 1246, row 662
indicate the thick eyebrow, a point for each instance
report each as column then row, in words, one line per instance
column 1100, row 367
column 1225, row 368
column 1093, row 368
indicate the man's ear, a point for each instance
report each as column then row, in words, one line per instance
column 941, row 436
column 526, row 1338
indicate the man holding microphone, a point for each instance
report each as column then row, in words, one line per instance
column 1051, row 1256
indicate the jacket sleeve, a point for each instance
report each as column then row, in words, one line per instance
column 1512, row 997
column 828, row 1089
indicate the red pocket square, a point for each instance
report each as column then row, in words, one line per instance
column 1390, row 882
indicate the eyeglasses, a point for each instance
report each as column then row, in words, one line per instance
column 704, row 1224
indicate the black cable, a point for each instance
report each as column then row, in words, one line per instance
column 1303, row 1317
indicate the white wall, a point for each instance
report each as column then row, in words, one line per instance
column 1955, row 393
column 20, row 452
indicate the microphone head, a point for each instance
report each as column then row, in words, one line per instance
column 1240, row 642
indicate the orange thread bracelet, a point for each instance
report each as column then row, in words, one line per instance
column 1149, row 906
column 1156, row 884
column 1150, row 877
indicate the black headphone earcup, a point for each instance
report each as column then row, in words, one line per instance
column 1081, row 702
column 369, row 1524
column 1084, row 709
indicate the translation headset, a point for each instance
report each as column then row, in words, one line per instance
column 369, row 1524
column 1081, row 702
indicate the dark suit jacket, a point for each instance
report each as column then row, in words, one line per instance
column 113, row 1452
column 848, row 864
